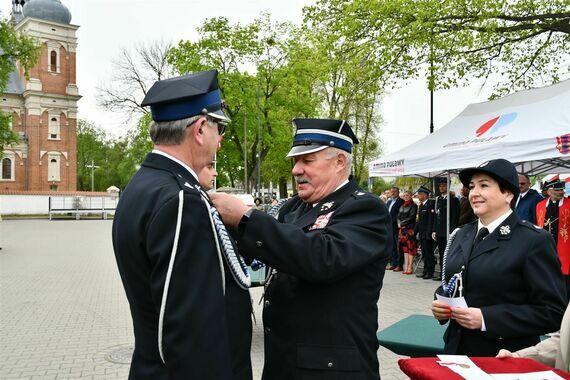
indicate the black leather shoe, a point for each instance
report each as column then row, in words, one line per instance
column 427, row 276
column 437, row 278
column 421, row 275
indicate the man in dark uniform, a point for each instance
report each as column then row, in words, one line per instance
column 439, row 234
column 188, row 296
column 329, row 245
column 424, row 227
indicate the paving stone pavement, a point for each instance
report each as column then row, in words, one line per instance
column 64, row 314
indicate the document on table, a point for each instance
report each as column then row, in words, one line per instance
column 542, row 375
column 464, row 367
column 453, row 302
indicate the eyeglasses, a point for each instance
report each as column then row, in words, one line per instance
column 221, row 126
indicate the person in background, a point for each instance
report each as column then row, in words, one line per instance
column 527, row 200
column 207, row 176
column 188, row 294
column 439, row 234
column 466, row 214
column 553, row 214
column 329, row 245
column 554, row 351
column 393, row 204
column 424, row 226
column 505, row 268
column 406, row 236
column 258, row 203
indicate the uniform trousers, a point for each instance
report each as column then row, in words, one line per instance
column 427, row 255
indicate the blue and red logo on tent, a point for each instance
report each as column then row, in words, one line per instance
column 496, row 123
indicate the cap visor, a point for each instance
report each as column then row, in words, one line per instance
column 305, row 149
column 219, row 115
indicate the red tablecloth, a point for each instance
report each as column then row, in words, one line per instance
column 428, row 369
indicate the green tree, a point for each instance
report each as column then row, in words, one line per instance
column 13, row 47
column 525, row 43
column 278, row 83
column 92, row 148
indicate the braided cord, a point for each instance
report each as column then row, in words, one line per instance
column 237, row 266
column 449, row 287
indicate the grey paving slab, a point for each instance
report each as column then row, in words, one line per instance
column 64, row 315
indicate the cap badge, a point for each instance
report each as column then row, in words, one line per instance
column 326, row 206
column 505, row 230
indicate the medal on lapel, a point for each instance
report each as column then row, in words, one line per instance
column 321, row 221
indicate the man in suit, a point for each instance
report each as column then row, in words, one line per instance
column 188, row 296
column 329, row 245
column 527, row 200
column 439, row 233
column 424, row 227
column 553, row 214
column 394, row 204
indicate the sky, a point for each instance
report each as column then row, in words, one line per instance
column 107, row 27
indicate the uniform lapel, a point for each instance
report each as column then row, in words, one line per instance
column 467, row 243
column 492, row 241
column 329, row 204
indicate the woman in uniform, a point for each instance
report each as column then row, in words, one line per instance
column 506, row 269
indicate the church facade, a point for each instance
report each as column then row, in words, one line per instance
column 44, row 105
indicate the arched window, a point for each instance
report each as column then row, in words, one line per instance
column 53, row 61
column 6, row 168
column 53, row 168
column 53, row 132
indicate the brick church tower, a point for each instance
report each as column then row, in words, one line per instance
column 43, row 107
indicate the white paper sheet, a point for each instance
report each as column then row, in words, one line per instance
column 452, row 302
column 542, row 375
column 464, row 367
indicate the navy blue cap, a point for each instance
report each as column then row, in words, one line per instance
column 501, row 170
column 423, row 189
column 186, row 96
column 555, row 184
column 441, row 180
column 313, row 135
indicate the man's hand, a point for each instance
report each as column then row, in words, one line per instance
column 230, row 208
column 471, row 318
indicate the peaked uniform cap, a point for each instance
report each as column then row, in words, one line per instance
column 424, row 190
column 555, row 184
column 313, row 135
column 186, row 96
column 501, row 170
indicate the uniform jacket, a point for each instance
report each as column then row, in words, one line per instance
column 563, row 244
column 320, row 312
column 440, row 221
column 554, row 351
column 526, row 207
column 513, row 276
column 426, row 214
column 205, row 334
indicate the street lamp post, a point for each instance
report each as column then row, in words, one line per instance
column 258, row 144
column 93, row 167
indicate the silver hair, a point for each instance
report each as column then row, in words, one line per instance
column 332, row 152
column 170, row 132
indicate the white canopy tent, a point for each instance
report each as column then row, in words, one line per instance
column 529, row 128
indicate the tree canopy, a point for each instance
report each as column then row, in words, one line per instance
column 523, row 43
column 13, row 47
